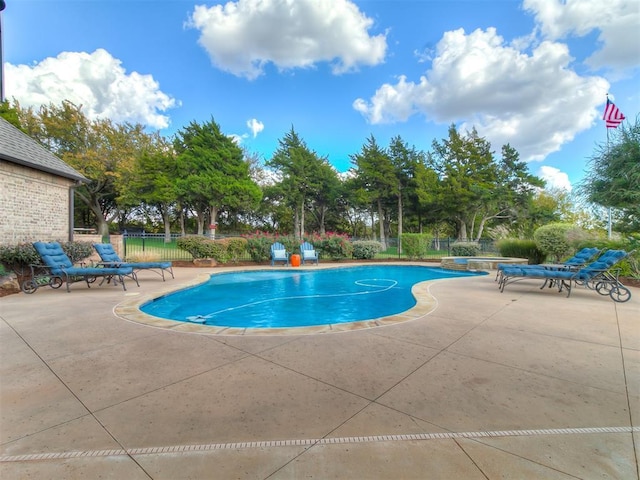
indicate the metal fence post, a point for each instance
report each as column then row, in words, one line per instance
column 124, row 243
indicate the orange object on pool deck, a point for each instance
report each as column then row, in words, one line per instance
column 295, row 260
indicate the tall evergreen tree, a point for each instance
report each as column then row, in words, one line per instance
column 375, row 175
column 212, row 172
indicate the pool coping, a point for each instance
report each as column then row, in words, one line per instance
column 129, row 309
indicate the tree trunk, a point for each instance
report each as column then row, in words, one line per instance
column 323, row 214
column 167, row 223
column 383, row 239
column 200, row 220
column 462, row 230
column 373, row 224
column 301, row 233
column 399, row 223
column 181, row 216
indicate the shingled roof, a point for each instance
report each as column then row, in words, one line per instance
column 18, row 147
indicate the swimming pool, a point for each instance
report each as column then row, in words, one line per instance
column 294, row 298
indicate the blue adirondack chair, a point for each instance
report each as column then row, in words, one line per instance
column 279, row 254
column 308, row 253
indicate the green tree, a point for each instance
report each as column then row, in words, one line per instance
column 327, row 198
column 153, row 180
column 99, row 149
column 406, row 161
column 301, row 174
column 613, row 178
column 376, row 179
column 212, row 172
column 10, row 114
column 474, row 188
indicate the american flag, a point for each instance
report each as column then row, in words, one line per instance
column 612, row 116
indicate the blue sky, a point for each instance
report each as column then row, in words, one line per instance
column 532, row 73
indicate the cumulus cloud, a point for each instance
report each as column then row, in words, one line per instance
column 97, row 81
column 616, row 21
column 555, row 178
column 255, row 126
column 243, row 36
column 532, row 100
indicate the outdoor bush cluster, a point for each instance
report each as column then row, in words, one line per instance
column 553, row 240
column 332, row 246
column 202, row 247
column 259, row 245
column 77, row 251
column 197, row 246
column 20, row 256
column 365, row 249
column 512, row 247
column 465, row 249
column 235, row 248
column 415, row 245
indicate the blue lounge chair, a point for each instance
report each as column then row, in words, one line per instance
column 597, row 276
column 308, row 253
column 110, row 258
column 279, row 254
column 580, row 259
column 59, row 265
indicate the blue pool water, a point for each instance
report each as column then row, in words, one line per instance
column 296, row 297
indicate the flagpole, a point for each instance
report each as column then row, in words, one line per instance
column 609, row 225
column 613, row 117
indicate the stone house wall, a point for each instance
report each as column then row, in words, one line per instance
column 34, row 205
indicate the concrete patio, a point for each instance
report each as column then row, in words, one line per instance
column 486, row 385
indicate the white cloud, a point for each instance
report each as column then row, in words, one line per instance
column 243, row 36
column 97, row 81
column 617, row 22
column 533, row 101
column 255, row 126
column 555, row 178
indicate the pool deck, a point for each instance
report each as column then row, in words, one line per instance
column 525, row 384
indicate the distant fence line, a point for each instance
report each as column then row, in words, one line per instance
column 141, row 243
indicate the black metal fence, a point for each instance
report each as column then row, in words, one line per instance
column 153, row 244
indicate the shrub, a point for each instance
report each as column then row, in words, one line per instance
column 366, row 249
column 332, row 245
column 465, row 249
column 236, row 248
column 557, row 239
column 259, row 245
column 415, row 245
column 511, row 247
column 78, row 251
column 20, row 256
column 202, row 247
column 195, row 245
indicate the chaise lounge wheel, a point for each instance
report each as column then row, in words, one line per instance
column 55, row 282
column 29, row 286
column 604, row 288
column 620, row 294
